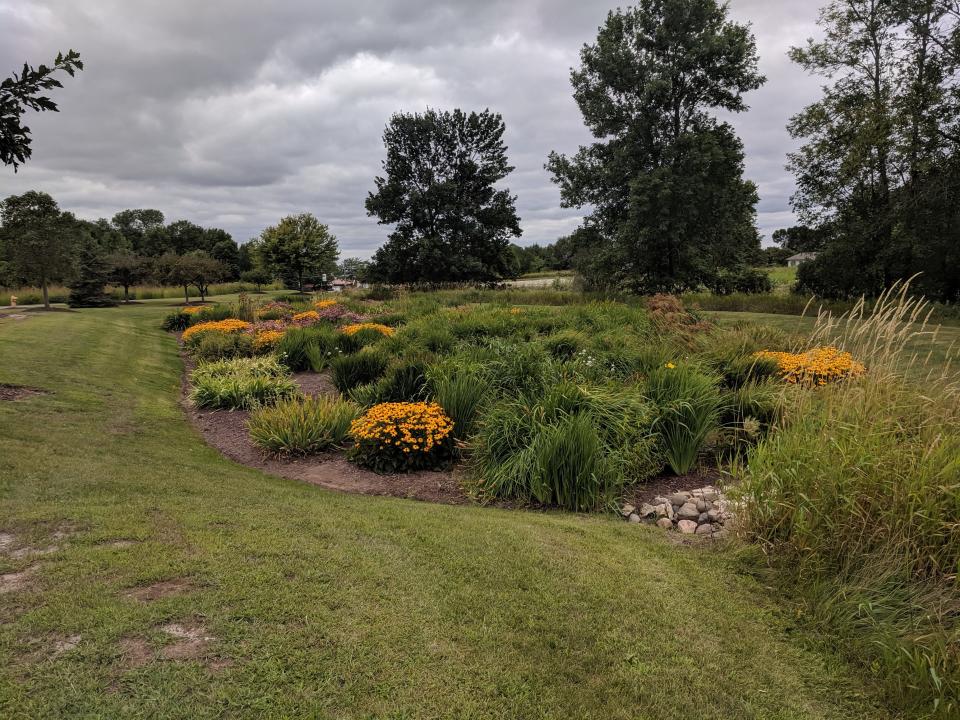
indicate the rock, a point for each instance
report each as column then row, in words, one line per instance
column 663, row 511
column 704, row 529
column 660, row 500
column 627, row 510
column 665, row 523
column 647, row 511
column 688, row 512
column 687, row 527
column 679, row 498
column 634, row 518
column 710, row 494
column 720, row 534
column 714, row 516
column 702, row 518
column 703, row 505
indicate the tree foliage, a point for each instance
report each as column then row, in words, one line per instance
column 38, row 240
column 450, row 223
column 879, row 161
column 299, row 248
column 665, row 178
column 22, row 92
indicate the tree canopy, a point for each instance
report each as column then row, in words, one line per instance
column 450, row 223
column 24, row 91
column 664, row 180
column 300, row 249
column 878, row 165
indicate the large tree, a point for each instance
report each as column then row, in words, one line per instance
column 878, row 162
column 438, row 191
column 134, row 226
column 38, row 239
column 664, row 180
column 22, row 92
column 299, row 248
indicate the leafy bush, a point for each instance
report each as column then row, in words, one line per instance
column 398, row 437
column 742, row 280
column 363, row 367
column 404, row 381
column 240, row 384
column 688, row 403
column 176, row 321
column 572, row 446
column 565, row 344
column 302, row 426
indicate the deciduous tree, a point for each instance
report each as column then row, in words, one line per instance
column 664, row 180
column 438, row 191
column 299, row 246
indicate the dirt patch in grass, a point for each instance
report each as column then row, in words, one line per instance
column 192, row 642
column 160, row 590
column 136, row 652
column 227, row 432
column 15, row 581
column 13, row 393
column 119, row 544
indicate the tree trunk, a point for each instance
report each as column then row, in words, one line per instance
column 126, row 294
column 46, row 294
column 186, row 294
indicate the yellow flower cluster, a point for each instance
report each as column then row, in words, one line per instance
column 224, row 326
column 321, row 304
column 266, row 339
column 357, row 327
column 815, row 367
column 515, row 311
column 310, row 315
column 405, row 426
column 191, row 309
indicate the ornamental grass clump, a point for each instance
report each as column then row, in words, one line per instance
column 575, row 446
column 856, row 498
column 399, row 437
column 350, row 371
column 240, row 384
column 815, row 367
column 689, row 404
column 302, row 426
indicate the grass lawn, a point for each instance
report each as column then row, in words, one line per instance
column 309, row 603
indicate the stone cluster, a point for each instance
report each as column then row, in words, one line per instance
column 704, row 511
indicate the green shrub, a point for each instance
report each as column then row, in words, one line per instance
column 565, row 344
column 688, row 404
column 240, row 384
column 367, row 336
column 349, row 371
column 222, row 346
column 405, row 380
column 572, row 446
column 302, row 426
column 400, row 437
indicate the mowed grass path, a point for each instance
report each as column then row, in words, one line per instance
column 326, row 605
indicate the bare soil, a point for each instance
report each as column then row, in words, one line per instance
column 19, row 392
column 159, row 590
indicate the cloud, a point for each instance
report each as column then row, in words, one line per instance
column 234, row 114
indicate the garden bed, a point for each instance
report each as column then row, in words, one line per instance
column 226, row 431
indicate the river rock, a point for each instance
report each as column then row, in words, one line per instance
column 704, row 529
column 665, row 523
column 687, row 527
column 688, row 511
column 679, row 498
column 627, row 510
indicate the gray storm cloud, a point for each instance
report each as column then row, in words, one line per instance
column 233, row 114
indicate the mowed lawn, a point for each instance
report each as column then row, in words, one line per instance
column 300, row 602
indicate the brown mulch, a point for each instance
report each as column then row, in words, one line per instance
column 19, row 392
column 226, row 430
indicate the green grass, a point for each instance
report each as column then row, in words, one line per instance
column 332, row 605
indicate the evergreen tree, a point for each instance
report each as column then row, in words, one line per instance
column 91, row 275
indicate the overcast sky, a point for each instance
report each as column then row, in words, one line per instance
column 232, row 114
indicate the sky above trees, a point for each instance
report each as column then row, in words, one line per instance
column 232, row 117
